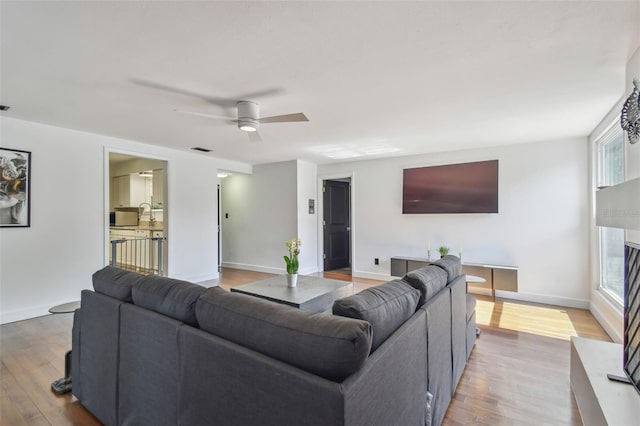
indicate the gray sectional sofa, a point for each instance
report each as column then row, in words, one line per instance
column 158, row 351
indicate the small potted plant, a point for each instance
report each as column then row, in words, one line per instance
column 443, row 251
column 293, row 247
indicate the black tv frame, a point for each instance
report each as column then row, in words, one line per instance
column 471, row 187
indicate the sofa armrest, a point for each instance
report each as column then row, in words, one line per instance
column 458, row 328
column 439, row 353
column 392, row 385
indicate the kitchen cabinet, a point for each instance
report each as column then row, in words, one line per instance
column 498, row 277
column 128, row 191
column 158, row 188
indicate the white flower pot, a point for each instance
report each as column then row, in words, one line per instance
column 292, row 280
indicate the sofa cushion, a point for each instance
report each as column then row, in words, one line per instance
column 385, row 307
column 451, row 265
column 115, row 282
column 428, row 280
column 171, row 297
column 328, row 346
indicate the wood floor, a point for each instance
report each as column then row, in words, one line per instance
column 518, row 373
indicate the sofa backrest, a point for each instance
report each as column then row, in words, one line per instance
column 328, row 346
column 428, row 280
column 173, row 298
column 148, row 367
column 116, row 282
column 385, row 307
column 170, row 297
column 451, row 265
column 431, row 279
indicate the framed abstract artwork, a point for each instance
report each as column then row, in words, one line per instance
column 15, row 188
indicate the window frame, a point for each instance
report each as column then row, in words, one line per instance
column 612, row 133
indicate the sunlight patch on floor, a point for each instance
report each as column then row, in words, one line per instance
column 546, row 321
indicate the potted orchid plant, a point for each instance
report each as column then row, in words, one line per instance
column 293, row 247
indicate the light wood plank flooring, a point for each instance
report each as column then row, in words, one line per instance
column 518, row 373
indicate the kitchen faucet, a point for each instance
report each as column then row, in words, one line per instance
column 152, row 219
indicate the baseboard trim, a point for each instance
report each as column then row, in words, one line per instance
column 254, row 268
column 608, row 315
column 24, row 314
column 197, row 279
column 266, row 269
column 373, row 276
column 544, row 299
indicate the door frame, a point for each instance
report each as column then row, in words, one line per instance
column 320, row 210
column 219, row 225
column 107, row 195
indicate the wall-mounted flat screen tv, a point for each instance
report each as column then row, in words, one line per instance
column 452, row 188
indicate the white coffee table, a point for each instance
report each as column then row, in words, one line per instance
column 479, row 280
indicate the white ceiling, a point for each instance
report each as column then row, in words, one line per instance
column 374, row 78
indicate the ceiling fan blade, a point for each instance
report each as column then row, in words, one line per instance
column 202, row 114
column 287, row 118
column 254, row 136
column 223, row 102
column 262, row 94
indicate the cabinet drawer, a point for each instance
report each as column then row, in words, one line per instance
column 478, row 271
column 412, row 265
column 505, row 279
column 122, row 234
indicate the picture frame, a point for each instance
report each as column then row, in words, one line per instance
column 15, row 188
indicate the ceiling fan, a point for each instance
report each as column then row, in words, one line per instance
column 249, row 120
column 248, row 113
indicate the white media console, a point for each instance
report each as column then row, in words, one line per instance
column 600, row 400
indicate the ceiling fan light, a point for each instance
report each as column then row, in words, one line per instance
column 248, row 113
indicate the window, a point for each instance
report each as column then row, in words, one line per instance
column 610, row 163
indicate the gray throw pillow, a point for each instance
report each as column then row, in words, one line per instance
column 327, row 346
column 115, row 282
column 385, row 307
column 451, row 265
column 168, row 296
column 428, row 280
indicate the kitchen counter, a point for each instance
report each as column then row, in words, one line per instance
column 137, row 228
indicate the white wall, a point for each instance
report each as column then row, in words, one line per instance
column 307, row 223
column 262, row 215
column 265, row 209
column 541, row 227
column 632, row 153
column 52, row 261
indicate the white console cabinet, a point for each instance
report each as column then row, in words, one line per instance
column 600, row 400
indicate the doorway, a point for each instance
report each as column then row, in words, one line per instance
column 337, row 225
column 137, row 211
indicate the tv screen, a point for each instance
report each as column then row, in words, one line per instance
column 453, row 188
column 631, row 345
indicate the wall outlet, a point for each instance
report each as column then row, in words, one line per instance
column 376, row 261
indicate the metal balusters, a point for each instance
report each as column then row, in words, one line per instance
column 144, row 255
